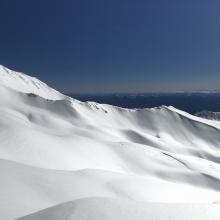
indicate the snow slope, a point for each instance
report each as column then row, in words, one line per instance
column 27, row 84
column 55, row 149
column 125, row 209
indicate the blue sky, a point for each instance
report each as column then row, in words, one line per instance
column 89, row 46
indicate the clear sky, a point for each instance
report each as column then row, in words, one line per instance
column 83, row 46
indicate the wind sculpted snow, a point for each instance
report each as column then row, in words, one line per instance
column 55, row 149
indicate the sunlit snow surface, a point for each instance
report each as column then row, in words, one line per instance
column 96, row 161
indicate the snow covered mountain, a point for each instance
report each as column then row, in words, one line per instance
column 26, row 84
column 88, row 159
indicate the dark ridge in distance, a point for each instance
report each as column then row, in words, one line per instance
column 189, row 102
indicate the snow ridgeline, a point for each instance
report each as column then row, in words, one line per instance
column 55, row 149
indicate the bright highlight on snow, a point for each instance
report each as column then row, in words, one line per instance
column 65, row 159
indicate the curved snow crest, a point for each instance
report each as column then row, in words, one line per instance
column 27, row 84
column 120, row 209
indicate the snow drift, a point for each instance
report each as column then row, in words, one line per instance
column 55, row 149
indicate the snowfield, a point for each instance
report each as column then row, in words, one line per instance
column 65, row 159
column 128, row 210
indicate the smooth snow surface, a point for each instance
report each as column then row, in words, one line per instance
column 96, row 161
column 27, row 84
column 99, row 208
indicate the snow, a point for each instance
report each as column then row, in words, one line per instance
column 98, row 208
column 27, row 84
column 109, row 161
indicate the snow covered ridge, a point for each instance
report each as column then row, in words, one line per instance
column 58, row 152
column 27, row 84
